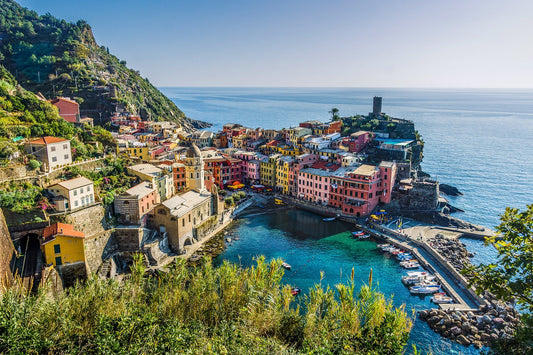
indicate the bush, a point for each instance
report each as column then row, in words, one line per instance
column 34, row 164
column 229, row 201
column 204, row 310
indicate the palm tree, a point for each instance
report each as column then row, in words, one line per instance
column 334, row 113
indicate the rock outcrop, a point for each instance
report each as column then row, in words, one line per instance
column 450, row 190
column 6, row 253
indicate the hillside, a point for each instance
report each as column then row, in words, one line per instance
column 58, row 58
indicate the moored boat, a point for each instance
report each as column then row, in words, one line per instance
column 418, row 273
column 295, row 291
column 411, row 265
column 441, row 298
column 329, row 219
column 412, row 280
column 286, row 266
column 424, row 290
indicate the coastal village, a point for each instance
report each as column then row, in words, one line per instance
column 187, row 186
column 128, row 227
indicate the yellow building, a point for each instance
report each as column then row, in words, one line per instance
column 282, row 174
column 288, row 150
column 63, row 245
column 268, row 170
column 139, row 150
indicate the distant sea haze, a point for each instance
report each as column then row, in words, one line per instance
column 477, row 140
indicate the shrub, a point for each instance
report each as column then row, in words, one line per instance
column 229, row 201
column 203, row 310
column 34, row 164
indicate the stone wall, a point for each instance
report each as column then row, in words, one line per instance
column 421, row 199
column 90, row 220
column 99, row 240
column 71, row 272
column 99, row 247
column 6, row 252
column 16, row 172
column 129, row 239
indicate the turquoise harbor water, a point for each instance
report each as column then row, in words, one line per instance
column 476, row 140
column 312, row 246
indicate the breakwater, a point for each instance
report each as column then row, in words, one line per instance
column 471, row 319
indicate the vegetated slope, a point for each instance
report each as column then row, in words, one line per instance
column 202, row 310
column 23, row 114
column 58, row 58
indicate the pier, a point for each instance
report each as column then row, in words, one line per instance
column 452, row 282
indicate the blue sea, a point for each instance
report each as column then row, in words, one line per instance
column 479, row 141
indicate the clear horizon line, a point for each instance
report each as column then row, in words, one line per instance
column 348, row 87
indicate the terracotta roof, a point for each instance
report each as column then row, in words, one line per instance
column 62, row 99
column 65, row 229
column 325, row 165
column 48, row 140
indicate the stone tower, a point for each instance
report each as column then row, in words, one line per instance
column 194, row 169
column 376, row 107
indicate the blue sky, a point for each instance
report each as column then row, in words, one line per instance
column 333, row 43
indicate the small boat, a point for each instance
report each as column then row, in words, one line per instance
column 418, row 273
column 358, row 233
column 441, row 298
column 411, row 265
column 424, row 290
column 329, row 219
column 404, row 256
column 286, row 266
column 382, row 246
column 295, row 291
column 413, row 280
column 228, row 240
column 363, row 236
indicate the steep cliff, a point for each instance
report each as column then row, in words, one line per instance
column 6, row 252
column 58, row 58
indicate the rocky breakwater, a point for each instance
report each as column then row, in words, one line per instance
column 452, row 250
column 493, row 321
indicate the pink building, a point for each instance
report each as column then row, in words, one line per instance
column 251, row 171
column 132, row 206
column 313, row 185
column 359, row 140
column 358, row 192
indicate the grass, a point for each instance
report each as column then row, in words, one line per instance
column 204, row 310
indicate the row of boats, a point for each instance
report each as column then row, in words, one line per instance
column 419, row 282
column 407, row 260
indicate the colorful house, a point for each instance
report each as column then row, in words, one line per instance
column 63, row 245
column 313, row 185
column 358, row 192
column 359, row 140
column 133, row 205
column 51, row 151
column 138, row 150
column 68, row 109
column 72, row 194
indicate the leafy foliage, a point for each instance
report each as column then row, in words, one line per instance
column 511, row 278
column 109, row 181
column 20, row 198
column 207, row 310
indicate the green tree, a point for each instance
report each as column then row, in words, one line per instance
column 511, row 278
column 334, row 113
